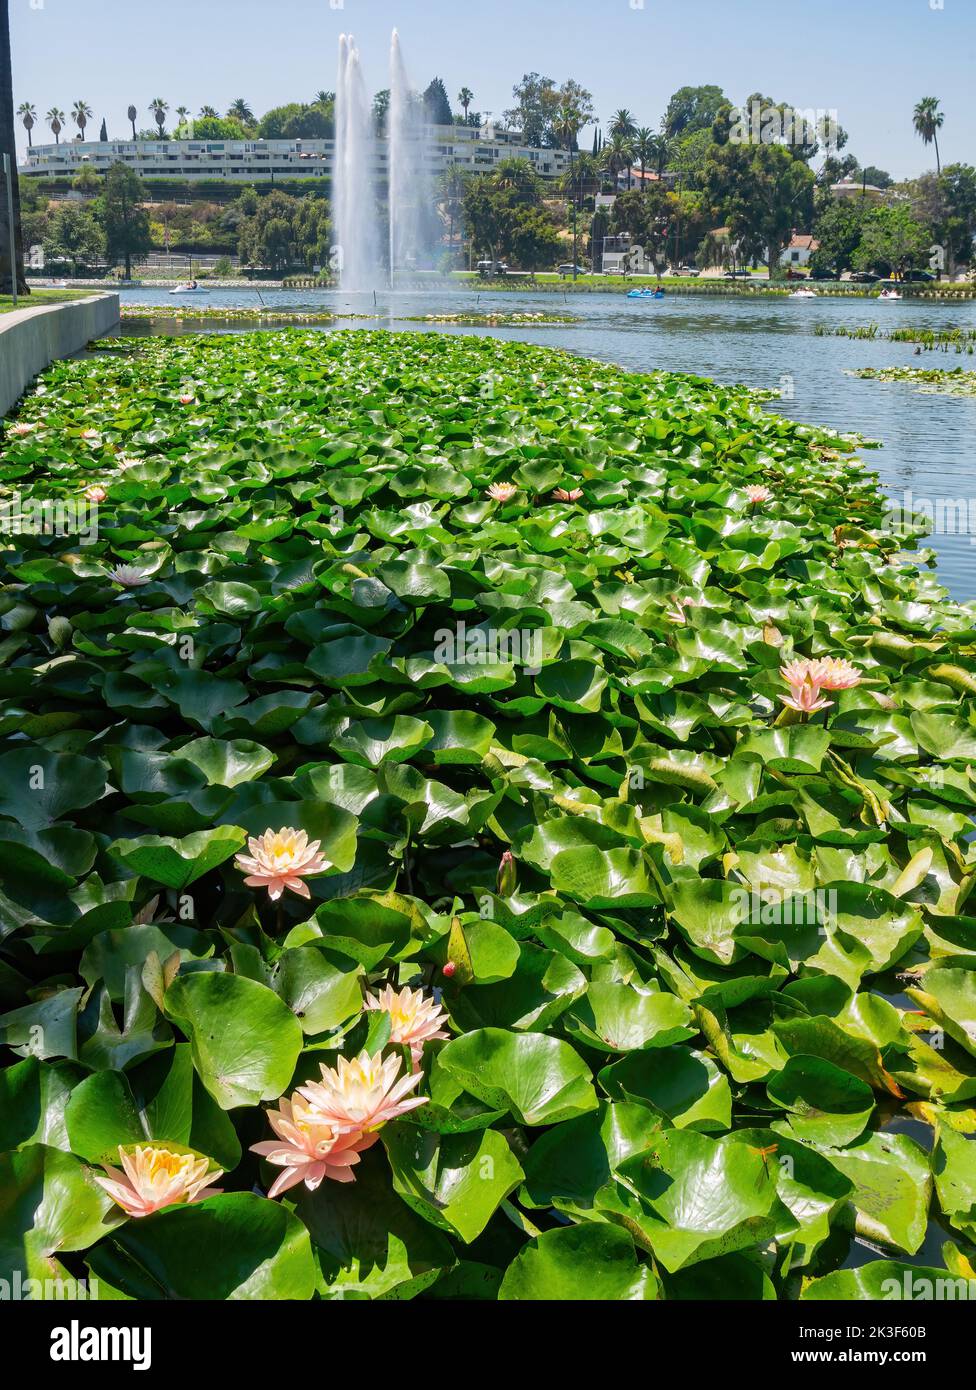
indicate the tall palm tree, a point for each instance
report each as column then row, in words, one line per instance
column 56, row 119
column 209, row 113
column 623, row 123
column 181, row 114
column 81, row 114
column 322, row 98
column 240, row 111
column 617, row 155
column 28, row 115
column 928, row 121
column 645, row 147
column 132, row 113
column 11, row 253
column 451, row 192
column 465, row 97
column 158, row 107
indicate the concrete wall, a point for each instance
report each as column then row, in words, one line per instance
column 32, row 338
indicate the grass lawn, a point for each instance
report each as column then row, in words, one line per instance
column 36, row 297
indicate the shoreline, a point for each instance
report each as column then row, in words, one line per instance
column 591, row 285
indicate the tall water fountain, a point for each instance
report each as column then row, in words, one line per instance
column 355, row 212
column 377, row 240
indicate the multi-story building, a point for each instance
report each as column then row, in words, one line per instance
column 250, row 161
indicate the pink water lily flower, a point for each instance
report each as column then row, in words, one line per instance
column 415, row 1018
column 129, row 576
column 187, row 398
column 90, row 434
column 281, row 859
column 562, row 494
column 23, row 427
column 153, row 1178
column 802, row 676
column 502, row 492
column 837, row 673
column 95, row 494
column 756, row 493
column 361, row 1094
column 308, row 1149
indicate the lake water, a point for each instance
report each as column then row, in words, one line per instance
column 929, row 440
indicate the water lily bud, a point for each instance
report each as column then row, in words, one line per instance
column 449, row 968
column 506, row 875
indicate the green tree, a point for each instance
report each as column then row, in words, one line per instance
column 691, row 109
column 535, row 102
column 891, row 240
column 11, row 255
column 645, row 147
column 647, row 214
column 74, row 234
column 132, row 113
column 125, row 220
column 532, row 239
column 297, row 121
column 838, row 228
column 464, row 98
column 761, row 192
column 927, row 120
column 437, row 107
column 878, row 178
column 218, row 128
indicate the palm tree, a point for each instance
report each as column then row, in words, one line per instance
column 465, row 97
column 132, row 113
column 11, row 252
column 81, row 114
column 240, row 111
column 322, row 98
column 28, row 115
column 451, row 190
column 661, row 146
column 56, row 119
column 209, row 113
column 159, row 108
column 181, row 114
column 645, row 147
column 928, row 121
column 622, row 123
column 617, row 155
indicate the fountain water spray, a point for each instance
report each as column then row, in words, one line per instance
column 410, row 201
column 354, row 192
column 411, row 224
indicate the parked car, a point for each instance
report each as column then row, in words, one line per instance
column 738, row 274
column 486, row 268
column 918, row 277
column 566, row 268
column 822, row 275
column 864, row 277
column 686, row 270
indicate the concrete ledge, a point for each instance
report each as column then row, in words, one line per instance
column 31, row 339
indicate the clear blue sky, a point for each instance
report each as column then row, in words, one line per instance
column 869, row 59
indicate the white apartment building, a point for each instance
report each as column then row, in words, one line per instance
column 247, row 161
